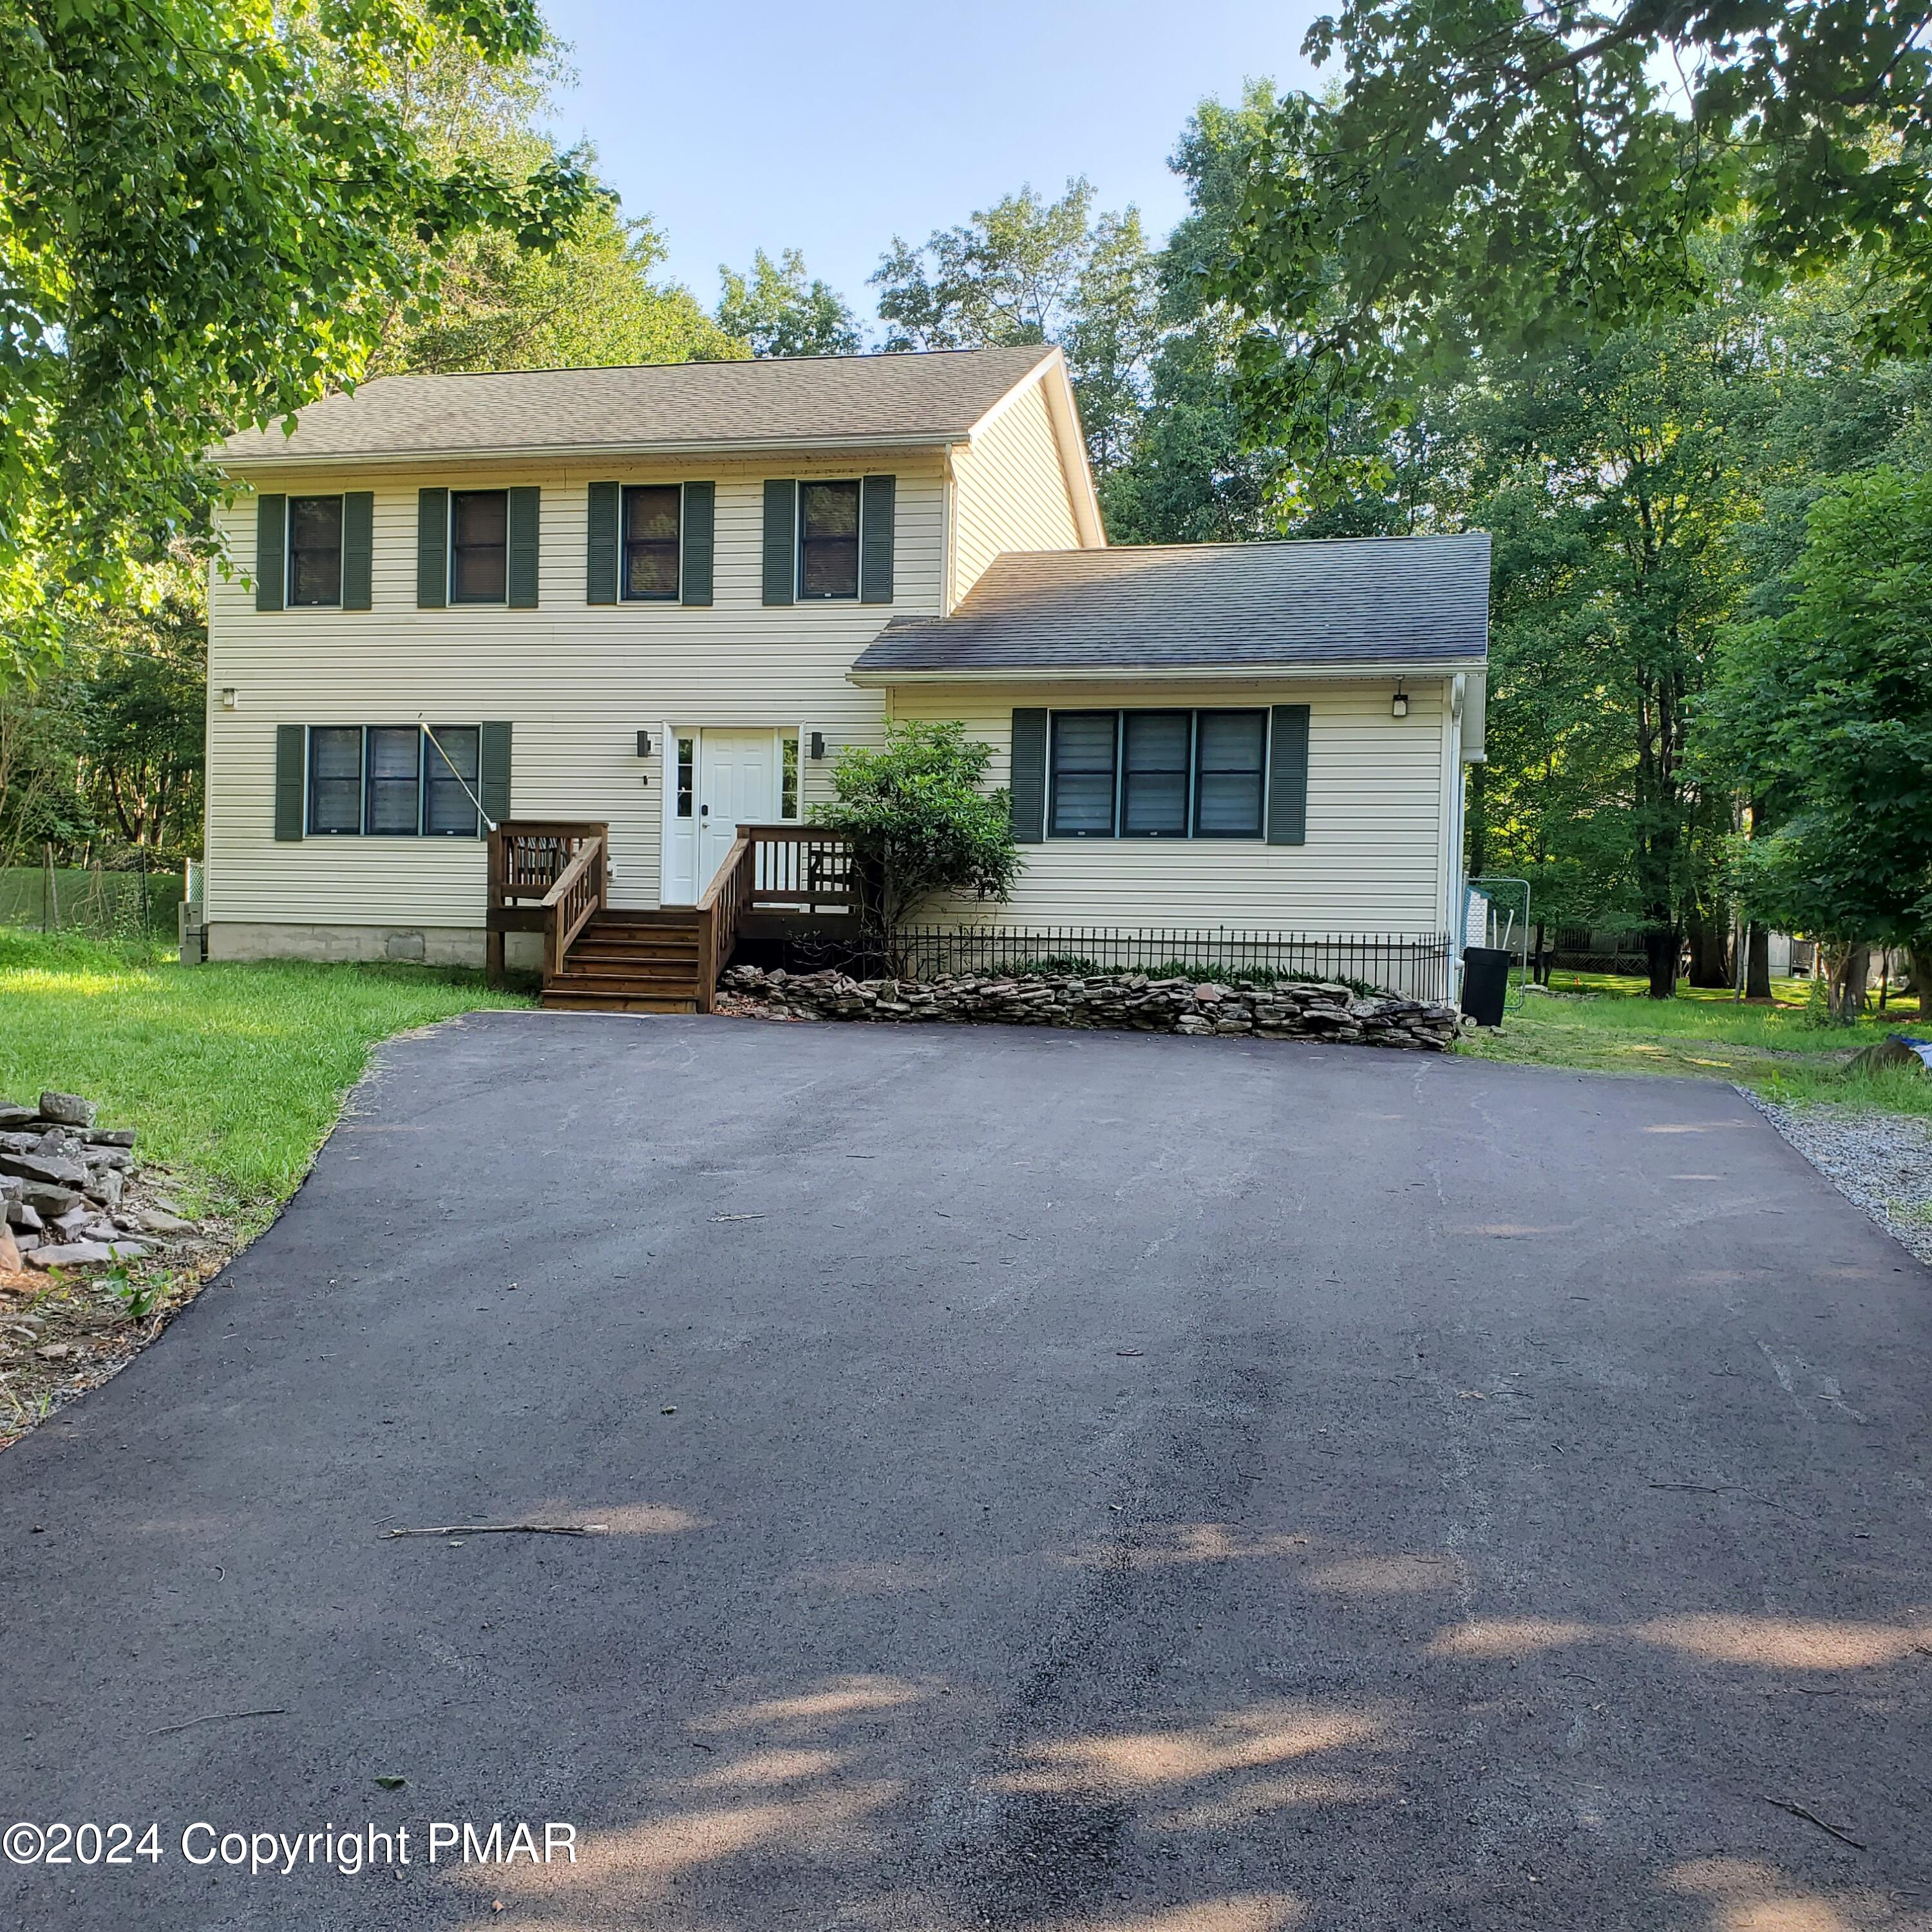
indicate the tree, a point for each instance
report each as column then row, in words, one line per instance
column 1827, row 709
column 776, row 311
column 588, row 303
column 207, row 210
column 1520, row 171
column 1192, row 475
column 920, row 825
column 1026, row 270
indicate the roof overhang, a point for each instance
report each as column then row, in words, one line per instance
column 1130, row 674
column 933, row 443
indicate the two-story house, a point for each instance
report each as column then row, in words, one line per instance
column 638, row 609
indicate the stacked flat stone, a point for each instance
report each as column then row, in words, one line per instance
column 61, row 1179
column 1271, row 1009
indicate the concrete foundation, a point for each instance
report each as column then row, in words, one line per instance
column 421, row 946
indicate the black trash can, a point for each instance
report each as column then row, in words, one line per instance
column 1486, row 971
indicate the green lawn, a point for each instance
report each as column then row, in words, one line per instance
column 1780, row 1050
column 232, row 1074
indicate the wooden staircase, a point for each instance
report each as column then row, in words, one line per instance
column 632, row 962
column 552, row 876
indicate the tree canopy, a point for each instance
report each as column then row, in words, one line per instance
column 776, row 311
column 1536, row 170
column 208, row 209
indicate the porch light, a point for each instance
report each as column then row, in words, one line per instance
column 818, row 744
column 228, row 697
column 1399, row 705
column 644, row 744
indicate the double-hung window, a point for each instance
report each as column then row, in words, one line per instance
column 315, row 550
column 828, row 541
column 393, row 780
column 479, row 546
column 1157, row 774
column 651, row 541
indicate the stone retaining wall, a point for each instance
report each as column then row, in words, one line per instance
column 1286, row 1009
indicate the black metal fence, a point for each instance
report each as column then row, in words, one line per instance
column 105, row 904
column 1419, row 968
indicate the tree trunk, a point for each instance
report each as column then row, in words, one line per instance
column 1710, row 954
column 1847, row 999
column 1660, row 948
column 1757, row 965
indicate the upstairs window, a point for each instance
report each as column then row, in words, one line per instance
column 315, row 550
column 479, row 546
column 652, row 514
column 1157, row 775
column 828, row 541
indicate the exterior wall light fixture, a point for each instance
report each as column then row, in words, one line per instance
column 1399, row 705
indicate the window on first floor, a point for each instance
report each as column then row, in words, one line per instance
column 394, row 780
column 1157, row 774
column 788, row 776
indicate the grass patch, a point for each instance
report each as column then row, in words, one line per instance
column 1779, row 1050
column 233, row 1074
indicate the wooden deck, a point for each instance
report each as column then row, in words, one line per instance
column 552, row 876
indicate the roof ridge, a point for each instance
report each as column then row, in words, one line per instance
column 702, row 362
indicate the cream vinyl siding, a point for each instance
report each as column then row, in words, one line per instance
column 576, row 681
column 1008, row 490
column 1374, row 861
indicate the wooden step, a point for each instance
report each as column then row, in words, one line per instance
column 573, row 999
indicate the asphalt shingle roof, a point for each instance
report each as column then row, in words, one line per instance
column 1260, row 606
column 911, row 399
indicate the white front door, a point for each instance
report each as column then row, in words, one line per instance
column 737, row 784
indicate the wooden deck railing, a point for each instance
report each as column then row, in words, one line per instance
column 724, row 902
column 799, row 868
column 546, row 875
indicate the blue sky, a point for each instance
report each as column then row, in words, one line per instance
column 829, row 129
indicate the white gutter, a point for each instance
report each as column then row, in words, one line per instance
column 1120, row 673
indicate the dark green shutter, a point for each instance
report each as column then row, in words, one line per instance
column 493, row 769
column 700, row 526
column 526, row 512
column 1029, row 777
column 432, row 549
column 358, row 548
column 1288, row 775
column 781, row 540
column 875, row 539
column 291, row 781
column 271, row 521
column 600, row 551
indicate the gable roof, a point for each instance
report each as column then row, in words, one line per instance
column 1397, row 601
column 778, row 403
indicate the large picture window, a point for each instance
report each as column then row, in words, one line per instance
column 479, row 546
column 1157, row 774
column 392, row 782
column 828, row 540
column 651, row 518
column 315, row 550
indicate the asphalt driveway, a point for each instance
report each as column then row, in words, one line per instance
column 1052, row 1481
